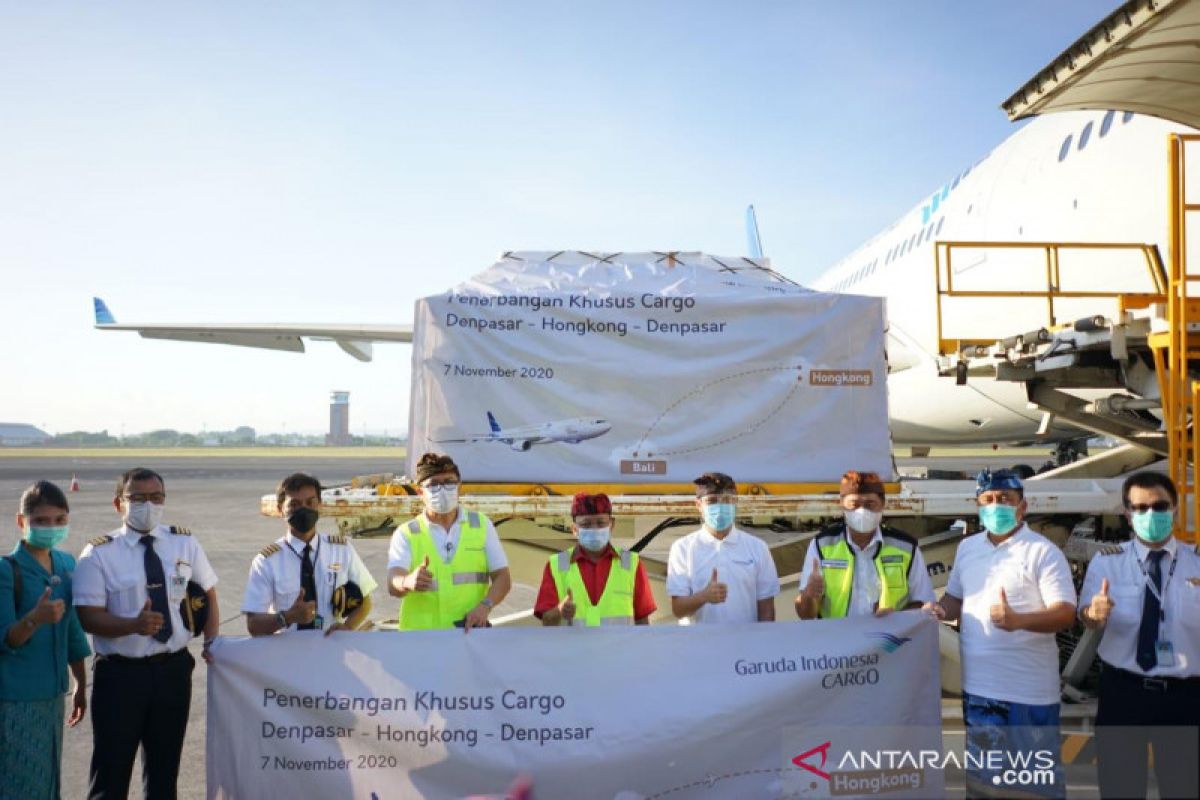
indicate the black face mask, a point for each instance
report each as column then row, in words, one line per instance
column 303, row 520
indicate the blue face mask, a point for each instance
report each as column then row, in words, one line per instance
column 46, row 538
column 594, row 539
column 719, row 516
column 1153, row 526
column 998, row 518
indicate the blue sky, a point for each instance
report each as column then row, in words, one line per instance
column 320, row 162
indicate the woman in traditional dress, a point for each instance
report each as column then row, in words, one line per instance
column 40, row 638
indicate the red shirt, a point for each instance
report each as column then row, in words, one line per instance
column 595, row 576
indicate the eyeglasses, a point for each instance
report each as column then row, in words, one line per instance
column 435, row 485
column 158, row 498
column 1157, row 505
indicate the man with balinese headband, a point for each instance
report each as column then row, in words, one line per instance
column 446, row 565
column 1011, row 589
column 594, row 583
column 720, row 573
column 129, row 590
column 1145, row 597
column 295, row 581
column 858, row 567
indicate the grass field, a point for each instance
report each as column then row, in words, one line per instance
column 397, row 453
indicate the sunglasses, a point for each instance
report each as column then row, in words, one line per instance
column 1158, row 505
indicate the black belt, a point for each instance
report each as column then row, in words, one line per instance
column 1153, row 683
column 157, row 658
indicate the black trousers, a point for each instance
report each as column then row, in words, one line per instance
column 139, row 703
column 1132, row 715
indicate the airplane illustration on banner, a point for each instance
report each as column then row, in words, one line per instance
column 524, row 437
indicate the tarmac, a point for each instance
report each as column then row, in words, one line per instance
column 218, row 497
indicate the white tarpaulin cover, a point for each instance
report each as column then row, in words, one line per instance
column 706, row 711
column 574, row 367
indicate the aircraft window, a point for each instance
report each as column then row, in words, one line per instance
column 1085, row 135
column 1066, row 148
column 1106, row 123
column 1128, row 115
column 954, row 185
column 945, row 192
column 934, row 206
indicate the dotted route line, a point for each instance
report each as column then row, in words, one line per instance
column 710, row 780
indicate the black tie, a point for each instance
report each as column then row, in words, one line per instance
column 1147, row 656
column 309, row 584
column 156, row 587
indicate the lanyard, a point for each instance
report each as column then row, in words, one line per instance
column 315, row 551
column 1159, row 594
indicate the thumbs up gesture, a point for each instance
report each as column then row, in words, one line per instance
column 47, row 611
column 567, row 606
column 301, row 613
column 815, row 588
column 715, row 591
column 1101, row 605
column 147, row 622
column 421, row 579
column 1003, row 616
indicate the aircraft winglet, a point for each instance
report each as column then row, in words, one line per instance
column 753, row 242
column 103, row 315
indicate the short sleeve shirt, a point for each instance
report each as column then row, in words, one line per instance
column 743, row 563
column 1015, row 666
column 446, row 542
column 111, row 574
column 274, row 581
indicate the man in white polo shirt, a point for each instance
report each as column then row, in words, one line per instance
column 1011, row 588
column 719, row 573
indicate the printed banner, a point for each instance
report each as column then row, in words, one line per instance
column 754, row 710
column 636, row 368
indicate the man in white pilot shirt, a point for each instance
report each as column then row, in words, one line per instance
column 306, row 580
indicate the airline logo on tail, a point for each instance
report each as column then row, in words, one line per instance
column 522, row 438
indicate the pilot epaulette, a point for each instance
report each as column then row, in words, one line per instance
column 1111, row 550
column 179, row 530
column 270, row 550
column 99, row 540
column 336, row 539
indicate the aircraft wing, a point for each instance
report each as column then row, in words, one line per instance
column 356, row 340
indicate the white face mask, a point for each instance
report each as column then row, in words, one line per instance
column 863, row 520
column 441, row 499
column 143, row 516
column 594, row 539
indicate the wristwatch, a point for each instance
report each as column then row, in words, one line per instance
column 487, row 601
column 281, row 619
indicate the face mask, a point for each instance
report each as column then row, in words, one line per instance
column 1153, row 526
column 303, row 519
column 442, row 499
column 719, row 516
column 594, row 539
column 143, row 516
column 863, row 520
column 46, row 537
column 998, row 518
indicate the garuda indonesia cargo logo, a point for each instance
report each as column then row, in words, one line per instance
column 888, row 642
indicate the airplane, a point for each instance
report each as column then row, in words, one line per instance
column 1084, row 176
column 521, row 439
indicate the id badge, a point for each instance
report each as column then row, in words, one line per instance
column 177, row 587
column 319, row 622
column 1166, row 653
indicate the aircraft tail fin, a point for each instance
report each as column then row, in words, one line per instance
column 103, row 315
column 495, row 426
column 753, row 242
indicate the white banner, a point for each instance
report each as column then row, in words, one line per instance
column 739, row 711
column 570, row 368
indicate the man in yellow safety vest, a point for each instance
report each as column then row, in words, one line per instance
column 446, row 564
column 594, row 582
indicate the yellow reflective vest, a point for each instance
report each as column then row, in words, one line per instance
column 615, row 606
column 893, row 561
column 458, row 586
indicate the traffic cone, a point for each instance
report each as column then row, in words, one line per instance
column 74, row 483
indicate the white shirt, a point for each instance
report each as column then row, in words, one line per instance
column 274, row 582
column 864, row 593
column 1127, row 589
column 1015, row 666
column 743, row 563
column 446, row 543
column 112, row 575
